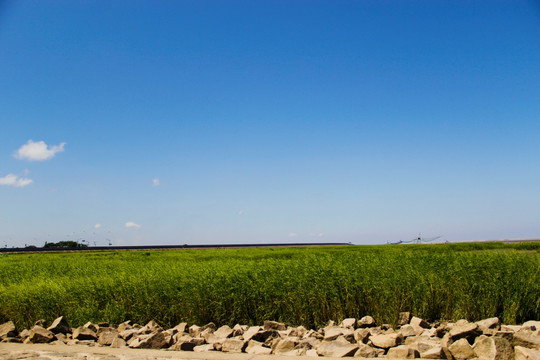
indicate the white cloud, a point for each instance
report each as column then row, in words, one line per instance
column 155, row 182
column 97, row 226
column 240, row 212
column 293, row 235
column 38, row 151
column 131, row 224
column 14, row 180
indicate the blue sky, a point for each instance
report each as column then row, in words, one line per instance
column 178, row 122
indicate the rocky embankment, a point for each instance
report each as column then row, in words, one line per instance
column 413, row 338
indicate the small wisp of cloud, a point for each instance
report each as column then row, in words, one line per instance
column 38, row 151
column 97, row 226
column 131, row 224
column 14, row 180
column 155, row 182
column 292, row 235
column 240, row 212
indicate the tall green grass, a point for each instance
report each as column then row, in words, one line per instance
column 307, row 286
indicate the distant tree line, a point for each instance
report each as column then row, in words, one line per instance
column 64, row 245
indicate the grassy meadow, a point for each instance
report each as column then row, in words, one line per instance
column 299, row 286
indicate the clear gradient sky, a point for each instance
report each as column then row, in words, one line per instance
column 199, row 122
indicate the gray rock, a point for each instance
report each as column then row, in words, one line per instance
column 84, row 333
column 40, row 335
column 461, row 350
column 532, row 324
column 408, row 330
column 526, row 338
column 402, row 352
column 106, row 338
column 435, row 352
column 489, row 324
column 224, row 332
column 128, row 334
column 91, row 326
column 493, row 348
column 187, row 343
column 467, row 330
column 8, row 330
column 332, row 332
column 181, row 328
column 203, row 348
column 250, row 332
column 118, row 342
column 285, row 345
column 522, row 353
column 416, row 321
column 150, row 327
column 238, row 330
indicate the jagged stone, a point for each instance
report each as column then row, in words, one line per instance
column 523, row 353
column 264, row 335
column 91, row 326
column 416, row 321
column 24, row 334
column 366, row 351
column 467, row 330
column 366, row 321
column 493, row 348
column 8, row 329
column 39, row 334
column 187, row 343
column 61, row 338
column 349, row 323
column 337, row 348
column 408, row 330
column 84, row 333
column 181, row 328
column 256, row 348
column 285, row 345
column 361, row 335
column 150, row 327
column 224, row 332
column 402, row 352
column 435, row 352
column 312, row 353
column 250, row 332
column 273, row 325
column 42, row 323
column 107, row 337
column 332, row 332
column 526, row 338
column 461, row 350
column 404, row 318
column 128, row 334
column 532, row 324
column 238, row 330
column 126, row 325
column 488, row 325
column 204, row 348
column 386, row 341
column 233, row 345
column 512, row 328
column 118, row 342
column 60, row 325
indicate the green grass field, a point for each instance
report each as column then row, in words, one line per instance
column 299, row 286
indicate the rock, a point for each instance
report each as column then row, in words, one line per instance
column 84, row 333
column 42, row 323
column 187, row 343
column 257, row 348
column 386, row 341
column 8, row 330
column 238, row 330
column 402, row 352
column 300, row 331
column 233, row 345
column 532, row 323
column 126, row 325
column 468, row 330
column 252, row 330
column 106, row 338
column 508, row 335
column 513, row 328
column 39, row 334
column 489, row 324
column 435, row 352
column 272, row 325
column 366, row 321
column 404, row 318
column 349, row 323
column 118, row 342
column 461, row 350
column 332, row 332
column 128, row 334
column 408, row 330
column 60, row 325
column 91, row 326
column 416, row 321
column 150, row 327
column 493, row 348
column 204, row 348
column 361, row 335
column 366, row 351
column 24, row 334
column 285, row 345
column 181, row 328
column 337, row 348
column 61, row 338
column 11, row 340
column 224, row 332
column 522, row 353
column 264, row 335
column 526, row 338
column 194, row 330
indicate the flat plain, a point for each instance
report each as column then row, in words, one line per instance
column 299, row 285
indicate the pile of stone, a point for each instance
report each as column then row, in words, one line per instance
column 413, row 338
